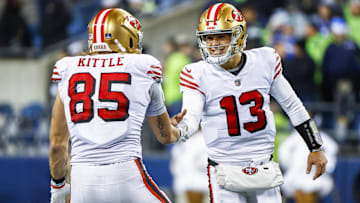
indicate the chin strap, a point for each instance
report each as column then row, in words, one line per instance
column 310, row 134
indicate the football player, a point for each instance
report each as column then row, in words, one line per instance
column 100, row 106
column 229, row 92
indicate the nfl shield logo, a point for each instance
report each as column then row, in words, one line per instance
column 237, row 82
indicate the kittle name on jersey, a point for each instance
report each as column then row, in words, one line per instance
column 103, row 62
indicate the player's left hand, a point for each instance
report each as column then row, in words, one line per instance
column 178, row 118
column 319, row 160
column 59, row 192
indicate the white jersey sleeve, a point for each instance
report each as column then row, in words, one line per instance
column 193, row 97
column 284, row 94
column 190, row 78
column 58, row 70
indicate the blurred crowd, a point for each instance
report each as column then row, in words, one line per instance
column 38, row 24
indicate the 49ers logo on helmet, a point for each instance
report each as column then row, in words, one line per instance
column 237, row 15
column 134, row 22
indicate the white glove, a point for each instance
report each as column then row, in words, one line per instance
column 184, row 132
column 59, row 191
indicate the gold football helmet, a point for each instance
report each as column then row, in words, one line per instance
column 114, row 30
column 221, row 18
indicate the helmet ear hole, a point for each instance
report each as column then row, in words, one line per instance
column 131, row 43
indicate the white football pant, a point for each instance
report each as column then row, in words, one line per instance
column 126, row 182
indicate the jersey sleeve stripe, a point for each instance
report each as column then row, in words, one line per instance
column 156, row 78
column 153, row 72
column 55, row 79
column 156, row 67
column 277, row 66
column 191, row 87
column 185, row 74
column 190, row 83
column 55, row 73
column 277, row 73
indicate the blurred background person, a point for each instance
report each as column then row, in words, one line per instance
column 299, row 70
column 15, row 31
column 298, row 185
column 352, row 17
column 181, row 55
column 340, row 62
column 188, row 166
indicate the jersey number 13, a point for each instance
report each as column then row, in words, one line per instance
column 229, row 104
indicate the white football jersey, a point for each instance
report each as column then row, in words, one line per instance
column 237, row 122
column 105, row 99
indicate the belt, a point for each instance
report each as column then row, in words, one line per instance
column 247, row 163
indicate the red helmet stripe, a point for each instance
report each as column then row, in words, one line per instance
column 102, row 25
column 217, row 12
column 213, row 13
column 96, row 30
column 208, row 14
column 95, row 24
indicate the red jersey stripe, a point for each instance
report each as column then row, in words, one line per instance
column 277, row 73
column 153, row 72
column 191, row 83
column 156, row 67
column 277, row 66
column 191, row 87
column 189, row 76
column 55, row 73
column 55, row 79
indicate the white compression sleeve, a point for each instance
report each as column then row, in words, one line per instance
column 193, row 102
column 289, row 101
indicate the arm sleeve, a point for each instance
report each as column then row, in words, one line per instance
column 157, row 103
column 193, row 102
column 289, row 101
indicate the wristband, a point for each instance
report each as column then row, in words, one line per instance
column 310, row 134
column 57, row 183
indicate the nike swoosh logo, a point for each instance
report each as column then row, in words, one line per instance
column 187, row 70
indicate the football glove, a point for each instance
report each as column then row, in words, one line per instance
column 59, row 191
column 184, row 134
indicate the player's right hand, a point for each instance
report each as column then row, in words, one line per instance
column 175, row 120
column 59, row 192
